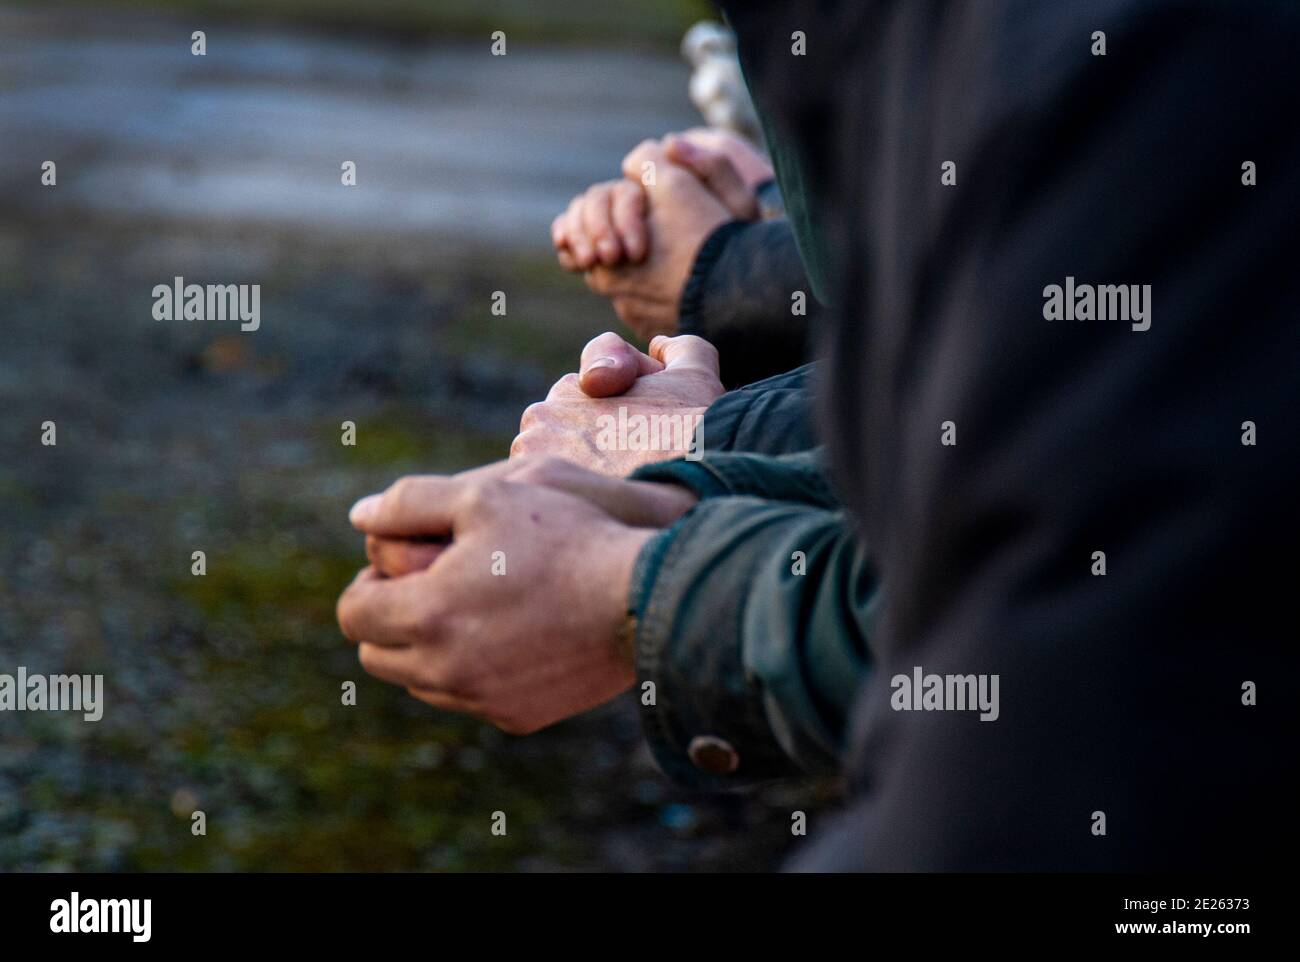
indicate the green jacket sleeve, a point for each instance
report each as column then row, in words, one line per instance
column 753, row 616
column 772, row 416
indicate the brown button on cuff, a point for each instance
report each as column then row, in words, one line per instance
column 713, row 755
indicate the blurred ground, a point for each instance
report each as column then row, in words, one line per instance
column 448, row 140
column 222, row 692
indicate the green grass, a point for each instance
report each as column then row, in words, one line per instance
column 404, row 438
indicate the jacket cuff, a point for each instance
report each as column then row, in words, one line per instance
column 693, row 475
column 708, row 726
column 799, row 477
column 689, row 320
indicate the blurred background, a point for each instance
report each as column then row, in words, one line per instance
column 222, row 692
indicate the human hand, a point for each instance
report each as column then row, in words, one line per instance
column 750, row 164
column 521, row 620
column 624, row 408
column 642, row 504
column 682, row 213
column 607, row 224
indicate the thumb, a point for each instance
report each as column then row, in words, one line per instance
column 685, row 352
column 610, row 365
column 716, row 171
column 425, row 506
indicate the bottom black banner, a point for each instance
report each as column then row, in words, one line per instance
column 337, row 912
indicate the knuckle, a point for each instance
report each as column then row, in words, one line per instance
column 550, row 468
column 424, row 625
column 345, row 612
column 595, row 199
column 480, row 498
column 524, row 471
column 565, row 385
column 399, row 493
column 605, row 338
column 634, row 156
column 453, row 674
column 697, row 343
column 530, row 416
column 344, row 618
column 626, row 194
column 430, row 677
column 542, row 470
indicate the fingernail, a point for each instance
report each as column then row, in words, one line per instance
column 364, row 510
column 605, row 361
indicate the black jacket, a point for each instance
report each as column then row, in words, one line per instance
column 748, row 294
column 1123, row 695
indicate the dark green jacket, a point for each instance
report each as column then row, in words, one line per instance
column 745, row 623
column 752, row 619
column 753, row 610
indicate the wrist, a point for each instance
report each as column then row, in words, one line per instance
column 665, row 501
column 621, row 546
